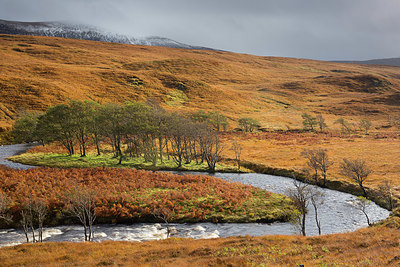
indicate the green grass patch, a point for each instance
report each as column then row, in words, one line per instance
column 105, row 160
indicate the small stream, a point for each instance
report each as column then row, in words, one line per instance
column 338, row 214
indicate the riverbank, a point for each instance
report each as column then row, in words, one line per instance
column 280, row 154
column 336, row 207
column 36, row 157
column 377, row 246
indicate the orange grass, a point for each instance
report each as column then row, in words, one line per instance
column 282, row 150
column 377, row 246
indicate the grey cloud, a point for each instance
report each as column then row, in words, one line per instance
column 340, row 29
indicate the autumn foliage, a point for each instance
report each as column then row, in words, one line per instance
column 126, row 195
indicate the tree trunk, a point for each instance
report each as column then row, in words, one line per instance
column 96, row 140
column 316, row 219
column 303, row 224
column 363, row 189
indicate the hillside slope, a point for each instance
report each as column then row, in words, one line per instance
column 37, row 72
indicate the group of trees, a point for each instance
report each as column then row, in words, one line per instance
column 32, row 212
column 317, row 160
column 131, row 130
column 356, row 170
column 313, row 123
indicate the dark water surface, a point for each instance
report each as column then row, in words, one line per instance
column 338, row 214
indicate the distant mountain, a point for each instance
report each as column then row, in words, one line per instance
column 383, row 61
column 86, row 32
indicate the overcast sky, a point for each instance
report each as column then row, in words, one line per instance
column 317, row 29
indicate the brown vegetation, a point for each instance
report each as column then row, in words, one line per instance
column 37, row 72
column 377, row 246
column 126, row 195
column 283, row 150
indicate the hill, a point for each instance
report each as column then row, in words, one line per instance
column 37, row 72
column 382, row 61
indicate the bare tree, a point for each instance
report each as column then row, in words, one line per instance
column 27, row 218
column 317, row 200
column 237, row 149
column 212, row 148
column 311, row 156
column 362, row 204
column 300, row 195
column 365, row 125
column 346, row 126
column 321, row 122
column 323, row 162
column 82, row 204
column 33, row 214
column 164, row 214
column 357, row 170
column 4, row 207
column 25, row 222
column 39, row 209
column 386, row 190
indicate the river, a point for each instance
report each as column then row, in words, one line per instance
column 338, row 214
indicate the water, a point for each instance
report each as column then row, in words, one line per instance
column 12, row 150
column 338, row 214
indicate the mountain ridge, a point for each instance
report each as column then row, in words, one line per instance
column 395, row 61
column 86, row 32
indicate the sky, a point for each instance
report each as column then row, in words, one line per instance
column 315, row 29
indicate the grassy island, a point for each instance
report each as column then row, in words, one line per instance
column 126, row 195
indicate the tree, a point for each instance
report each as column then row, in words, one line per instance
column 95, row 127
column 217, row 120
column 164, row 214
column 346, row 126
column 177, row 134
column 24, row 129
column 212, row 148
column 321, row 122
column 237, row 150
column 33, row 214
column 39, row 208
column 82, row 115
column 200, row 116
column 248, row 124
column 300, row 195
column 357, row 170
column 386, row 190
column 113, row 118
column 309, row 122
column 365, row 125
column 312, row 163
column 317, row 200
column 81, row 202
column 362, row 204
column 4, row 207
column 323, row 162
column 57, row 125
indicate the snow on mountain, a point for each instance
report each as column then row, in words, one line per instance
column 86, row 32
